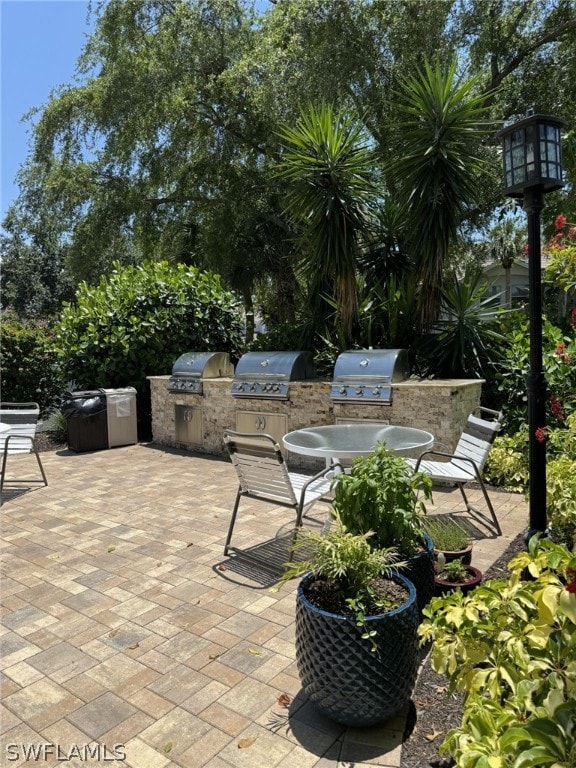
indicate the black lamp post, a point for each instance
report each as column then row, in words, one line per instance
column 532, row 154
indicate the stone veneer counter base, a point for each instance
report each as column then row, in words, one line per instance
column 437, row 406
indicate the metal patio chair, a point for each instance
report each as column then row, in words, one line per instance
column 263, row 475
column 21, row 419
column 465, row 465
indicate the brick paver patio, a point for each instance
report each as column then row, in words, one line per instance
column 123, row 624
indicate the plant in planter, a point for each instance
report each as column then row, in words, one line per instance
column 381, row 494
column 449, row 538
column 509, row 648
column 356, row 627
column 455, row 574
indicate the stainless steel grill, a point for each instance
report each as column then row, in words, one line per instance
column 367, row 375
column 266, row 375
column 192, row 367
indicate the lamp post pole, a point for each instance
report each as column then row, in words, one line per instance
column 532, row 162
column 536, row 382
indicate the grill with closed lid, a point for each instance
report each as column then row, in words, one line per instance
column 191, row 367
column 367, row 375
column 266, row 375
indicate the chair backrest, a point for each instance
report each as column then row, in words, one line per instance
column 22, row 418
column 260, row 465
column 477, row 437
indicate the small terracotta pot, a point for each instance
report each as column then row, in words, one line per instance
column 442, row 587
column 449, row 555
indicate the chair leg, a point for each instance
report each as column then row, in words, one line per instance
column 489, row 505
column 472, row 509
column 3, row 473
column 463, row 492
column 40, row 464
column 297, row 526
column 232, row 521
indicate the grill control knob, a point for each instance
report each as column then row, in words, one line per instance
column 252, row 387
column 240, row 387
column 376, row 392
column 360, row 391
column 343, row 391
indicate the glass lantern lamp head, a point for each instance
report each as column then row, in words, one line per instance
column 532, row 154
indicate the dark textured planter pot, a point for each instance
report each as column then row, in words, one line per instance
column 442, row 587
column 342, row 676
column 454, row 554
column 420, row 571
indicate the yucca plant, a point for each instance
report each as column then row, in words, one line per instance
column 330, row 197
column 437, row 167
column 463, row 343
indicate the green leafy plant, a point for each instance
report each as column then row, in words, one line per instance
column 509, row 648
column 381, row 494
column 352, row 569
column 328, row 165
column 454, row 571
column 559, row 362
column 561, row 501
column 138, row 320
column 507, row 464
column 437, row 167
column 464, row 343
column 28, row 361
column 446, row 534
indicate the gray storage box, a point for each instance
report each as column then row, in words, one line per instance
column 121, row 416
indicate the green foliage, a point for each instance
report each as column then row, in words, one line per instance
column 561, row 499
column 330, row 191
column 281, row 337
column 34, row 277
column 380, row 494
column 352, row 565
column 463, row 343
column 561, row 252
column 437, row 166
column 509, row 648
column 56, row 423
column 28, row 361
column 446, row 534
column 508, row 467
column 183, row 100
column 507, row 464
column 559, row 362
column 454, row 571
column 341, row 556
column 136, row 322
column 387, row 312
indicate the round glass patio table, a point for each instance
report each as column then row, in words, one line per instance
column 347, row 441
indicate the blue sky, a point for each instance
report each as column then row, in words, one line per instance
column 40, row 43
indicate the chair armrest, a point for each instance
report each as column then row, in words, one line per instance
column 326, row 472
column 451, row 456
column 434, row 453
column 15, row 436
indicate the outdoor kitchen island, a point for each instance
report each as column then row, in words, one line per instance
column 437, row 406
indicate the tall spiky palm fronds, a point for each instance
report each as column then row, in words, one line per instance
column 330, row 197
column 438, row 166
column 464, row 343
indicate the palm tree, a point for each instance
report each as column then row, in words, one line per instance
column 330, row 198
column 437, row 168
column 507, row 243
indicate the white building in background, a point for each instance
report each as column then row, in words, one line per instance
column 496, row 277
